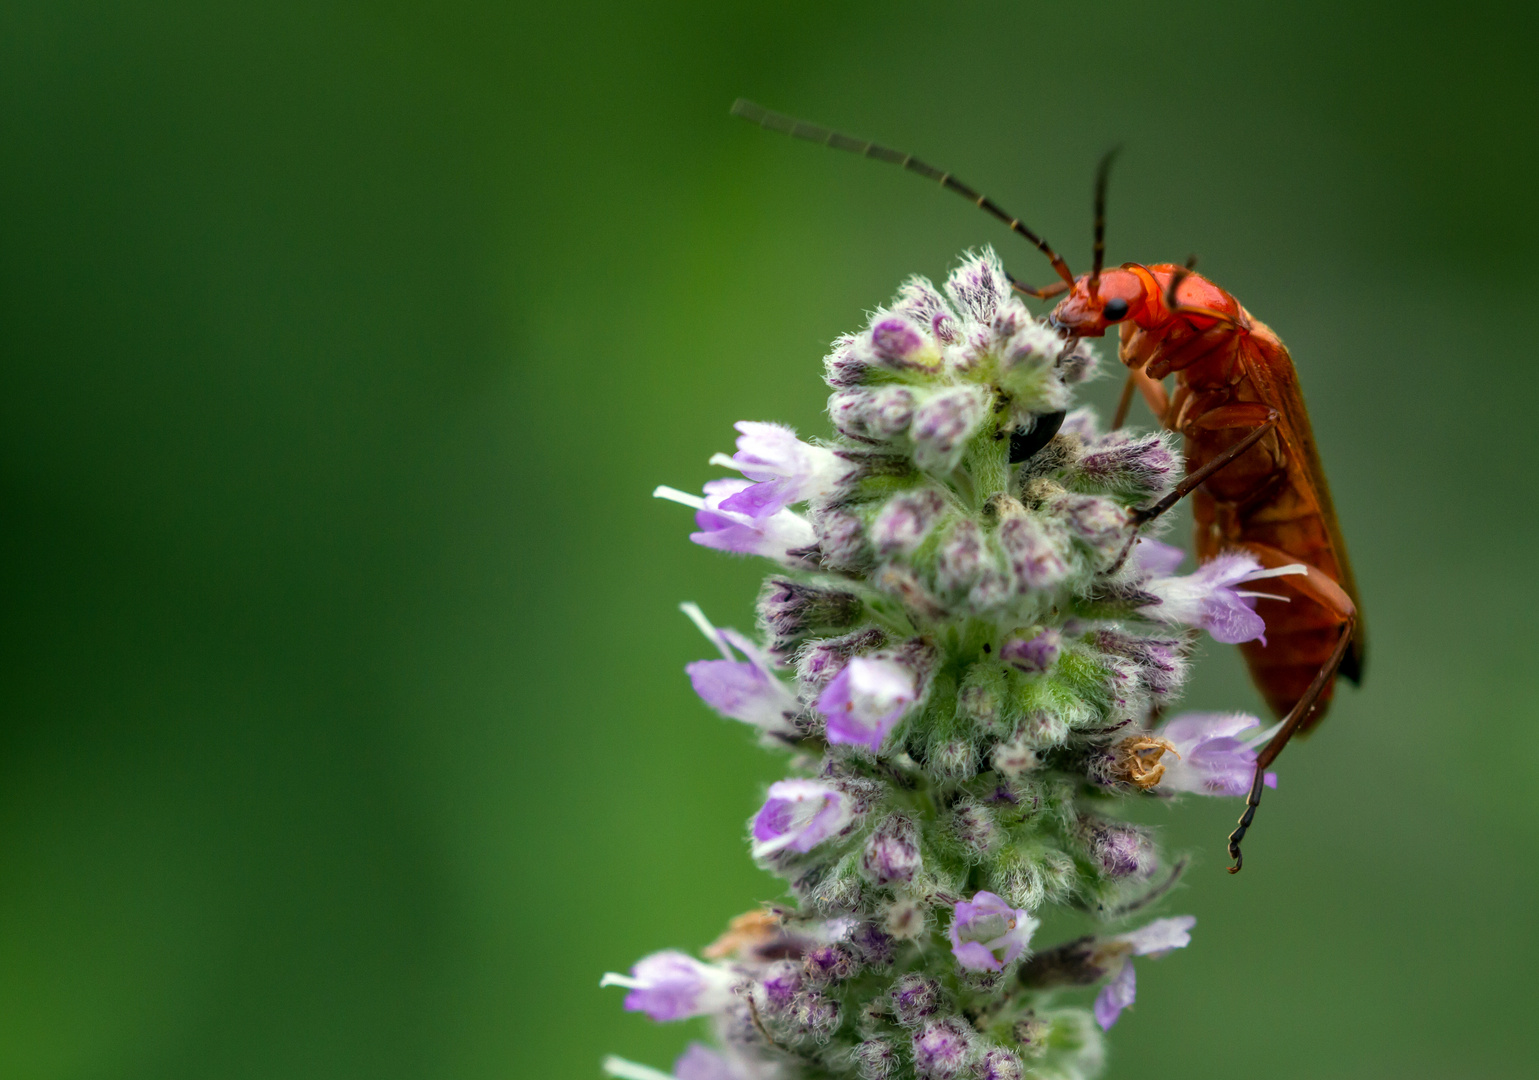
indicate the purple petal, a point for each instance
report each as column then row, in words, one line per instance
column 1116, row 996
column 1161, row 935
column 1154, row 557
column 1227, row 616
column 974, row 956
column 1191, row 728
column 700, row 1062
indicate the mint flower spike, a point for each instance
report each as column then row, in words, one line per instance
column 968, row 690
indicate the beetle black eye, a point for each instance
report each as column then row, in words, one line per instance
column 1116, row 308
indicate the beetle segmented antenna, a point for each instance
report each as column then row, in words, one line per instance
column 801, row 129
column 1098, row 251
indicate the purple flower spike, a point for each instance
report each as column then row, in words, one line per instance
column 1209, row 598
column 671, row 985
column 1116, row 996
column 798, row 816
column 987, row 933
column 786, row 470
column 774, row 532
column 1213, row 760
column 866, row 700
column 1154, row 941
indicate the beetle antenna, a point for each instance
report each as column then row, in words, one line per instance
column 1098, row 250
column 801, row 129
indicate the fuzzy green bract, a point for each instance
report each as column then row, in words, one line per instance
column 957, row 653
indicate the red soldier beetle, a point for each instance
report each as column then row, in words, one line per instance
column 1254, row 475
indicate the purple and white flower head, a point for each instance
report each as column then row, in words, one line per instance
column 671, row 985
column 987, row 933
column 1213, row 759
column 746, row 690
column 798, row 816
column 784, row 469
column 1211, row 597
column 1154, row 940
column 866, row 700
column 774, row 532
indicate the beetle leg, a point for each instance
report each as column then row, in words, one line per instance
column 1296, row 716
column 1192, row 481
column 1153, row 392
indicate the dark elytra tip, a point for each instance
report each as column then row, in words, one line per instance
column 1024, row 443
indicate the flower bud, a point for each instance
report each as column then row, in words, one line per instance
column 978, row 286
column 781, row 982
column 1160, row 662
column 914, row 999
column 814, row 1016
column 983, row 697
column 892, row 852
column 921, row 302
column 874, row 945
column 944, row 423
column 942, row 1048
column 790, row 610
column 1032, row 651
column 906, row 520
column 1035, row 554
column 1031, row 1034
column 897, row 344
column 872, row 416
column 973, row 829
column 1099, row 523
column 1140, row 466
column 876, row 1058
column 905, row 919
column 1014, row 758
column 825, row 964
column 1078, row 364
column 1117, row 848
column 841, row 539
column 960, row 558
column 1000, row 1064
column 952, row 758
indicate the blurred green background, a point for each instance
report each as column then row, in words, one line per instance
column 344, row 731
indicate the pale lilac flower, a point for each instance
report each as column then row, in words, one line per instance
column 1154, row 940
column 1209, row 598
column 866, row 700
column 746, row 690
column 1157, row 557
column 1213, row 760
column 785, row 469
column 774, row 532
column 987, row 933
column 671, row 985
column 798, row 816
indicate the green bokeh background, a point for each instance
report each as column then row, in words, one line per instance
column 344, row 732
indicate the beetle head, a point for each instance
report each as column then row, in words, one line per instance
column 1093, row 304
